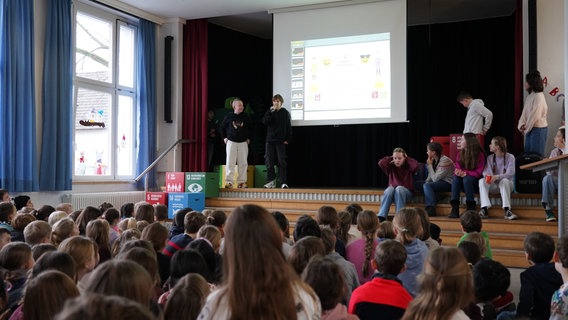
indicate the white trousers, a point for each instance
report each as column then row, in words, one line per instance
column 237, row 153
column 505, row 187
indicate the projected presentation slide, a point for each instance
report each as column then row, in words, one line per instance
column 340, row 78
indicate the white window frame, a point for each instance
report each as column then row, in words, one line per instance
column 113, row 88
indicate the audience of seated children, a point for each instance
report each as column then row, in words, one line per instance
column 187, row 297
column 471, row 222
column 112, row 216
column 84, row 252
column 470, row 251
column 5, row 237
column 87, row 214
column 4, row 195
column 327, row 216
column 37, row 232
column 98, row 306
column 361, row 251
column 23, row 201
column 284, row 226
column 446, row 287
column 177, row 223
column 63, row 229
column 426, row 227
column 16, row 258
column 559, row 301
column 491, row 281
column 19, row 223
column 303, row 250
column 348, row 268
column 540, row 280
column 44, row 212
column 161, row 215
column 407, row 227
column 183, row 262
column 254, row 290
column 469, row 163
column 157, row 234
column 385, row 231
column 7, row 214
column 56, row 216
column 550, row 180
column 384, row 295
column 306, row 226
column 498, row 176
column 122, row 278
column 354, row 233
column 326, row 279
column 192, row 221
column 46, row 295
column 400, row 169
column 98, row 230
column 440, row 174
column 344, row 221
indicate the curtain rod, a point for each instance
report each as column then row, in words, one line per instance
column 126, row 8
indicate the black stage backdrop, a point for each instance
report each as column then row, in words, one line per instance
column 477, row 56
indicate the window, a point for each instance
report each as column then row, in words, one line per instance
column 104, row 96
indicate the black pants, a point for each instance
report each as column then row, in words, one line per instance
column 276, row 151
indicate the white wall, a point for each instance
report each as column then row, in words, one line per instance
column 551, row 61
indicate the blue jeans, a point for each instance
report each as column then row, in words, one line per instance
column 549, row 190
column 468, row 184
column 535, row 140
column 431, row 188
column 401, row 195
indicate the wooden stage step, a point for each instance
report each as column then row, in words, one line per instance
column 506, row 237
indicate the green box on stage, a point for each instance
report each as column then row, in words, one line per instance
column 260, row 174
column 202, row 182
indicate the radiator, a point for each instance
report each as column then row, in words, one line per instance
column 117, row 199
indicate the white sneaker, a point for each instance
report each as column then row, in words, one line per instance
column 284, row 186
column 270, row 185
column 509, row 215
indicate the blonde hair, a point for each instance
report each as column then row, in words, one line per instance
column 56, row 216
column 368, row 223
column 407, row 224
column 446, row 286
column 478, row 239
column 127, row 223
column 82, row 249
column 62, row 230
column 211, row 234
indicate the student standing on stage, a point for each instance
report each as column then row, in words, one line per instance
column 533, row 124
column 278, row 134
column 236, row 135
column 478, row 118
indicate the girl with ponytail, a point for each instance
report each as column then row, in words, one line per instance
column 361, row 251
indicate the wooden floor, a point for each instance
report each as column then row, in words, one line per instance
column 506, row 237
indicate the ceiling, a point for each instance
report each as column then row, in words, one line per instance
column 252, row 17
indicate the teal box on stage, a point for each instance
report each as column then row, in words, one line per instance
column 181, row 200
column 202, row 182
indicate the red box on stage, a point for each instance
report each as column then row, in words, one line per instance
column 175, row 181
column 444, row 141
column 157, row 197
column 455, row 139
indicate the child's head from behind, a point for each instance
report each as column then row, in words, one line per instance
column 327, row 216
column 491, row 279
column 390, row 257
column 407, row 225
column 470, row 251
column 386, row 230
column 16, row 256
column 539, row 247
column 326, row 278
column 306, row 226
column 471, row 221
column 479, row 240
column 354, row 209
column 303, row 250
column 446, row 279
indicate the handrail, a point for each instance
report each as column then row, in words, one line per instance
column 160, row 157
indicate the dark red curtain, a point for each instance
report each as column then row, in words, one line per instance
column 195, row 70
column 519, row 87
